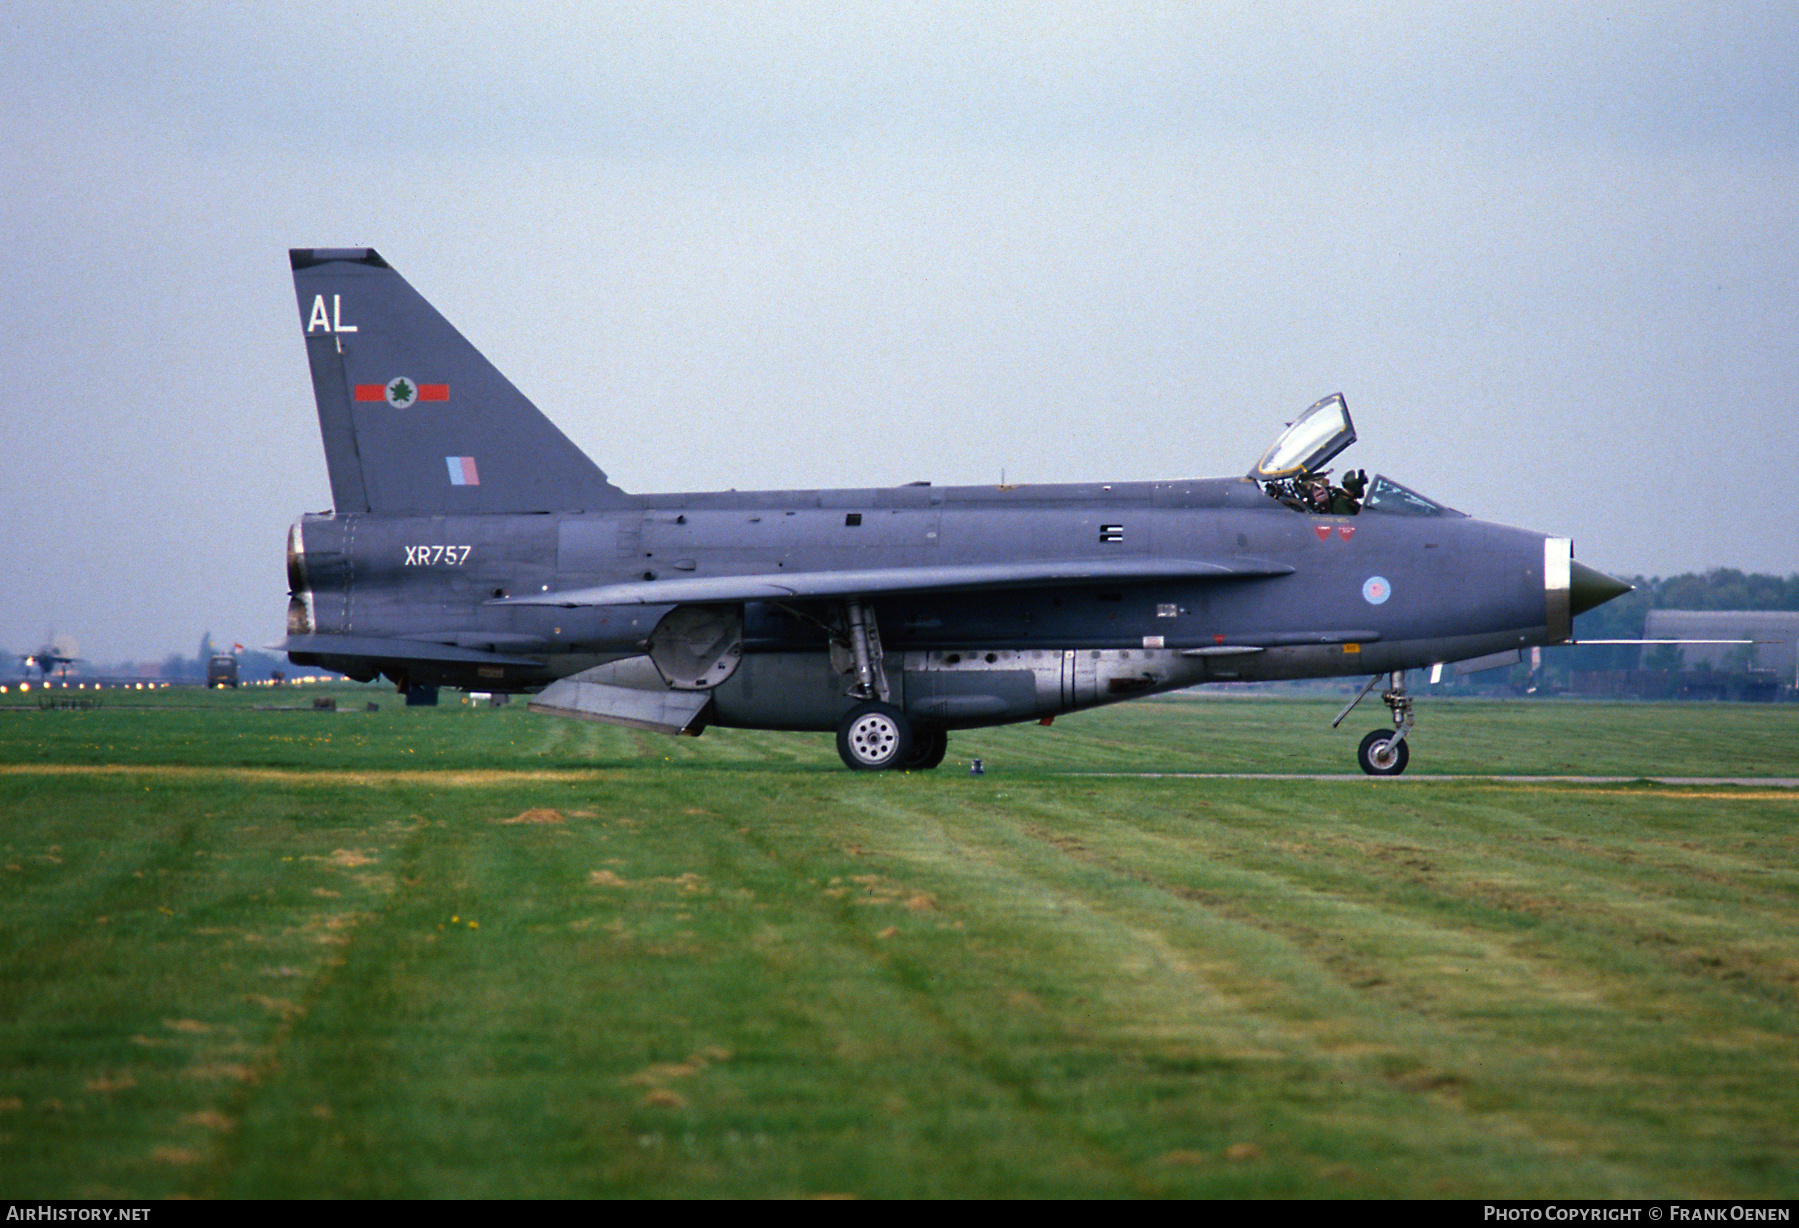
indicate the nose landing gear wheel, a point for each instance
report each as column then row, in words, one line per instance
column 873, row 737
column 1380, row 754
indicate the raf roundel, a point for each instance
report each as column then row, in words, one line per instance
column 1376, row 590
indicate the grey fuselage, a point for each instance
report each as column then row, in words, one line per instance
column 1331, row 594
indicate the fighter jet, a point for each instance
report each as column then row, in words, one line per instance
column 58, row 652
column 472, row 545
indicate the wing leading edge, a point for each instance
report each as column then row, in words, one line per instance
column 879, row 581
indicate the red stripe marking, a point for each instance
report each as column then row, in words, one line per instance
column 434, row 392
column 371, row 392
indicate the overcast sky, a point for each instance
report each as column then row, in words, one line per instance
column 1546, row 251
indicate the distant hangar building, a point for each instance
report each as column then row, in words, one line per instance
column 1772, row 660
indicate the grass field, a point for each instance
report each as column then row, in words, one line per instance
column 471, row 952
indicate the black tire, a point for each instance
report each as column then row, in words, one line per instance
column 929, row 746
column 874, row 737
column 1379, row 755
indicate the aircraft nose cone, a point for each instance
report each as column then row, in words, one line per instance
column 1588, row 588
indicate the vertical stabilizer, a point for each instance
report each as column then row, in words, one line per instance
column 414, row 419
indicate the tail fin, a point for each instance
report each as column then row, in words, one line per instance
column 414, row 418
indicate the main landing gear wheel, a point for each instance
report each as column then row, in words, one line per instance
column 929, row 746
column 1382, row 753
column 874, row 736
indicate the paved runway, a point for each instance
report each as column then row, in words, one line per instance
column 1755, row 782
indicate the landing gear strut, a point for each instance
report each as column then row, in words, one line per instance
column 1384, row 753
column 865, row 646
column 875, row 735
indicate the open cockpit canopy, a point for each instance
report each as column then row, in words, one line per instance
column 1309, row 442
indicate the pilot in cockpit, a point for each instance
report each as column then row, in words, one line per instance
column 1346, row 500
column 1318, row 495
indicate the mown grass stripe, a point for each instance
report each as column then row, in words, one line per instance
column 472, row 952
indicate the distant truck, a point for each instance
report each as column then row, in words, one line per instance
column 221, row 670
